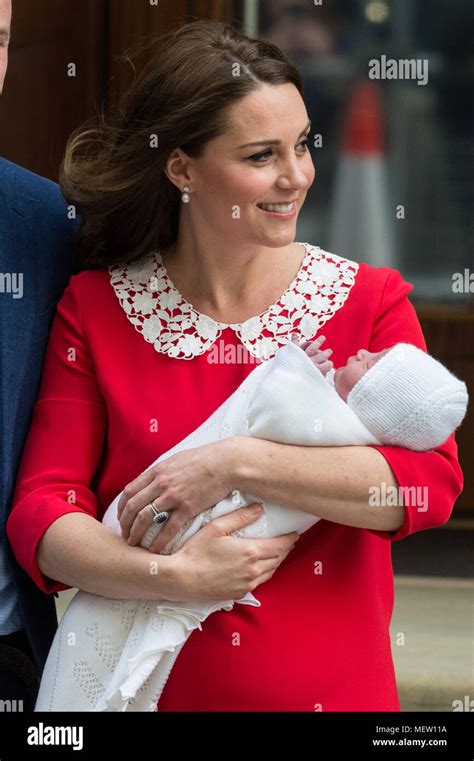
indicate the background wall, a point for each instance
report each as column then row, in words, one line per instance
column 41, row 104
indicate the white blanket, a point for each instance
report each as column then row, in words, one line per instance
column 116, row 655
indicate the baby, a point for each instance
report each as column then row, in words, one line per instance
column 346, row 376
column 402, row 395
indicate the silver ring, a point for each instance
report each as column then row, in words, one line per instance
column 159, row 517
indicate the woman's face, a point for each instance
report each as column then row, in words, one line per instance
column 347, row 376
column 228, row 180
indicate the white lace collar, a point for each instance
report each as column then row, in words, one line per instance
column 158, row 311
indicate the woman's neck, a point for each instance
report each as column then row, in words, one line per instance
column 232, row 289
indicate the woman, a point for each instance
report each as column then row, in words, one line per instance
column 184, row 264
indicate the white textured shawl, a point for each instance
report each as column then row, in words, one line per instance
column 116, row 655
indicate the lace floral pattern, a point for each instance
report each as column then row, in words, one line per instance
column 159, row 312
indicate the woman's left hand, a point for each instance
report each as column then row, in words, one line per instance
column 185, row 484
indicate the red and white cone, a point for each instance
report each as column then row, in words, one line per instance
column 361, row 227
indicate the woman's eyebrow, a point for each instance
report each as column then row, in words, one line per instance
column 273, row 142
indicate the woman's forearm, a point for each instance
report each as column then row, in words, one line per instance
column 330, row 482
column 80, row 551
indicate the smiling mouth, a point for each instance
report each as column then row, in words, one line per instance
column 290, row 200
column 280, row 208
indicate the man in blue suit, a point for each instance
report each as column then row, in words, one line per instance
column 36, row 262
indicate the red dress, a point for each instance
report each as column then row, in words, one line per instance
column 114, row 365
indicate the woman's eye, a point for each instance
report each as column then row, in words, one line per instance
column 259, row 156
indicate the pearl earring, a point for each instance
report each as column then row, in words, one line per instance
column 185, row 194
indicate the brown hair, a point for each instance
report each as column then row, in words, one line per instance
column 110, row 171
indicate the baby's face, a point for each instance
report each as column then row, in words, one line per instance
column 347, row 376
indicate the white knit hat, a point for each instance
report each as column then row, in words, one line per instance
column 409, row 399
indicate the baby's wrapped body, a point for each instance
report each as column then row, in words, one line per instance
column 124, row 650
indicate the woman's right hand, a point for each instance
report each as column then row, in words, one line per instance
column 214, row 565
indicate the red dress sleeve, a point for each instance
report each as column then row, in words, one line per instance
column 439, row 469
column 64, row 441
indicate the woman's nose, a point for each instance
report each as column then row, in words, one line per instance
column 295, row 175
